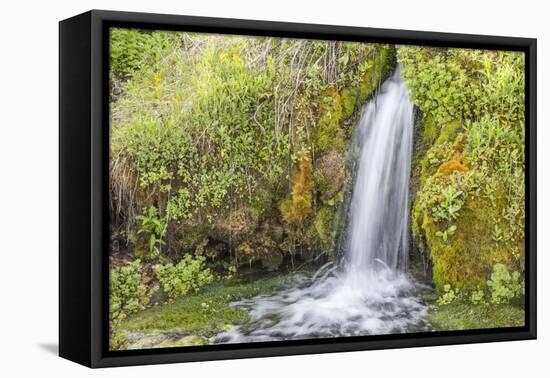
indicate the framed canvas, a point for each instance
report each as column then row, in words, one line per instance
column 234, row 188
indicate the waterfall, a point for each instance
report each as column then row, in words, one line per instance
column 371, row 292
column 379, row 208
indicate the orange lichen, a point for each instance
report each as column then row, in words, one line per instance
column 451, row 166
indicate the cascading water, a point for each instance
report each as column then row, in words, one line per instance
column 371, row 292
column 379, row 209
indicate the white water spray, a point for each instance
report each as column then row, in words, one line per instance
column 372, row 292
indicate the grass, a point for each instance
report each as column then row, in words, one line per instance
column 463, row 315
column 207, row 312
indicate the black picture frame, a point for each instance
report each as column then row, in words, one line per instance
column 83, row 193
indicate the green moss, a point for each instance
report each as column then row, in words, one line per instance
column 429, row 130
column 324, row 225
column 460, row 315
column 366, row 86
column 465, row 260
column 348, row 97
column 467, row 187
column 433, row 159
column 448, row 132
column 207, row 312
column 327, row 133
column 387, row 56
column 337, row 106
column 436, row 134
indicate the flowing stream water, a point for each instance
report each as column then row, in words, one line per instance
column 370, row 292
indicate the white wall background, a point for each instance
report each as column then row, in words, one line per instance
column 29, row 186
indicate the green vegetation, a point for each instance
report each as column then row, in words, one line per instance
column 503, row 287
column 127, row 294
column 464, row 315
column 468, row 210
column 186, row 276
column 155, row 229
column 208, row 312
column 133, row 49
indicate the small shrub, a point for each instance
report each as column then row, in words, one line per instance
column 130, row 49
column 448, row 296
column 477, row 297
column 186, row 276
column 505, row 286
column 127, row 294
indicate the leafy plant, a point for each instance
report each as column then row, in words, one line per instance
column 189, row 275
column 449, row 205
column 155, row 228
column 477, row 296
column 448, row 296
column 447, row 233
column 131, row 49
column 127, row 294
column 505, row 286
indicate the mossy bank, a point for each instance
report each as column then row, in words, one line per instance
column 467, row 185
